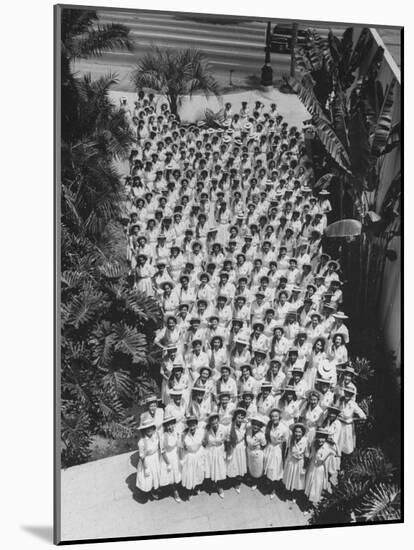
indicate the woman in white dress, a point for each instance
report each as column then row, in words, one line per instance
column 144, row 273
column 337, row 351
column 152, row 412
column 193, row 462
column 349, row 409
column 176, row 407
column 170, row 475
column 311, row 413
column 277, row 436
column 199, row 406
column 255, row 444
column 236, row 448
column 294, row 471
column 333, row 425
column 317, row 356
column 215, row 463
column 276, row 377
column 290, row 405
column 148, row 468
column 321, row 467
column 240, row 354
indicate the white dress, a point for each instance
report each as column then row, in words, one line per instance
column 347, row 437
column 321, row 466
column 193, row 464
column 237, row 461
column 294, row 474
column 169, row 447
column 255, row 453
column 215, row 455
column 149, row 451
column 273, row 459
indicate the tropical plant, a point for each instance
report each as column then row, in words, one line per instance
column 174, row 74
column 82, row 36
column 108, row 361
column 352, row 118
column 366, row 491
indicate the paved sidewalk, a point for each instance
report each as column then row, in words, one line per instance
column 192, row 109
column 99, row 500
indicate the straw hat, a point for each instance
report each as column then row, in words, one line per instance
column 148, row 423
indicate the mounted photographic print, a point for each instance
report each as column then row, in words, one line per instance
column 228, row 274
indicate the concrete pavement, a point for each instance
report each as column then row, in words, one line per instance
column 193, row 109
column 99, row 500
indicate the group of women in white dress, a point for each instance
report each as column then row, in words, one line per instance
column 224, row 230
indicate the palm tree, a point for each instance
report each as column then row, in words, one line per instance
column 82, row 36
column 174, row 74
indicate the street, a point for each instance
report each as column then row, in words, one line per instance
column 235, row 49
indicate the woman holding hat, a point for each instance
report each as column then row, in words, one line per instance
column 349, row 410
column 332, row 424
column 152, row 412
column 289, row 405
column 176, row 407
column 217, row 355
column 148, row 468
column 255, row 444
column 215, row 463
column 260, row 366
column 205, row 380
column 311, row 413
column 337, row 351
column 294, row 471
column 169, row 335
column 279, row 344
column 327, row 396
column 240, row 310
column 266, row 400
column 347, row 376
column 179, row 380
column 257, row 339
column 297, row 382
column 240, row 354
column 277, row 437
column 321, row 467
column 246, row 381
column 226, row 382
column 339, row 327
column 236, row 448
column 193, row 462
column 276, row 377
column 196, row 358
column 170, row 466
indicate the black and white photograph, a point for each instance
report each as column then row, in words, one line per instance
column 228, row 195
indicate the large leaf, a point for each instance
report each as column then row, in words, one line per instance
column 129, row 341
column 383, row 127
column 344, row 228
column 324, row 181
column 359, row 149
column 381, row 503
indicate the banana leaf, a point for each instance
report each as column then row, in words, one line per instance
column 383, row 127
column 344, row 228
column 359, row 146
column 324, row 181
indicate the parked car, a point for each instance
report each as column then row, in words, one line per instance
column 281, row 38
